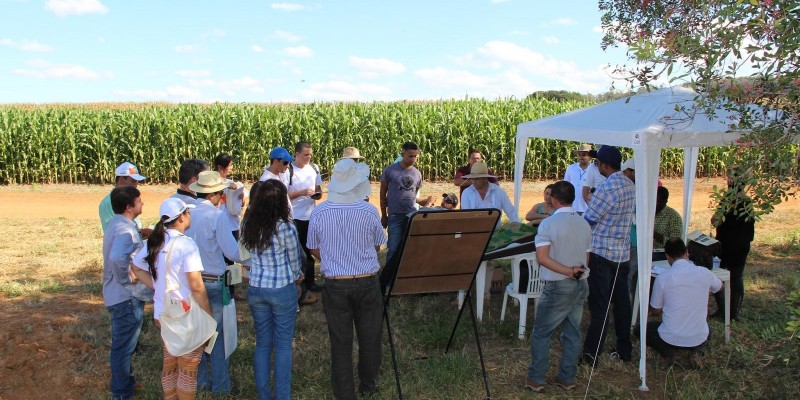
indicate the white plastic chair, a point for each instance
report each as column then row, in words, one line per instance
column 534, row 289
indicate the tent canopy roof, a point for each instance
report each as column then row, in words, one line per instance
column 659, row 119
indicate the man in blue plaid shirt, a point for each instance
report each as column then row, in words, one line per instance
column 610, row 214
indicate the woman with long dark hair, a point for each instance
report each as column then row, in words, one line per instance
column 276, row 266
column 168, row 243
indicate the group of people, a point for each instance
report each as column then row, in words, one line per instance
column 283, row 232
column 585, row 243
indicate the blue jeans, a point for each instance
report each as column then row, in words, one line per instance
column 348, row 303
column 395, row 228
column 126, row 324
column 219, row 381
column 561, row 305
column 274, row 313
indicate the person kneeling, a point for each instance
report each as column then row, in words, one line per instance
column 680, row 296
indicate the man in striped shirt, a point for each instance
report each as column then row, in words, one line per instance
column 610, row 214
column 345, row 234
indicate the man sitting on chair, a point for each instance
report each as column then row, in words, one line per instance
column 680, row 296
column 562, row 248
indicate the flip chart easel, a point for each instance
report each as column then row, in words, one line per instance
column 441, row 252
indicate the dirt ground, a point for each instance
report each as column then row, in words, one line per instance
column 43, row 348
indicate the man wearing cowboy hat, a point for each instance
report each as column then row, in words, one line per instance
column 212, row 234
column 351, row 295
column 576, row 173
column 483, row 194
column 473, row 156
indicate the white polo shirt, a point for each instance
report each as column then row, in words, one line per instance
column 575, row 175
column 299, row 179
column 682, row 293
column 185, row 258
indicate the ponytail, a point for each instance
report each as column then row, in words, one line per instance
column 154, row 244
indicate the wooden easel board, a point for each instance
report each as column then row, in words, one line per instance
column 443, row 249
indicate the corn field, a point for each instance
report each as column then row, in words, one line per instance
column 83, row 143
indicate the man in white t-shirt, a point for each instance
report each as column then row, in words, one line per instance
column 305, row 188
column 592, row 179
column 576, row 173
column 680, row 296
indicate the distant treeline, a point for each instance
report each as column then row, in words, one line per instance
column 83, row 143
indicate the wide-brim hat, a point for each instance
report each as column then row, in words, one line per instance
column 479, row 170
column 208, row 182
column 351, row 152
column 583, row 147
column 349, row 182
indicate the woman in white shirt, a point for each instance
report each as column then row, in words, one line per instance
column 179, row 373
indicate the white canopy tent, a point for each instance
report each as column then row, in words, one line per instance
column 647, row 123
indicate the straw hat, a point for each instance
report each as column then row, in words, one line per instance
column 583, row 147
column 208, row 182
column 349, row 182
column 351, row 152
column 478, row 170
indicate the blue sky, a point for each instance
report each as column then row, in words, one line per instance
column 302, row 51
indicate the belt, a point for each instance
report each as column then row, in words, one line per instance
column 212, row 278
column 362, row 276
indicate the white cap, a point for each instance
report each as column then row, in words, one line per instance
column 628, row 164
column 172, row 208
column 128, row 169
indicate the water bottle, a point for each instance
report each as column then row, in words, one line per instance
column 716, row 262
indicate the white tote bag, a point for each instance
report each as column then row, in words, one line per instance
column 184, row 325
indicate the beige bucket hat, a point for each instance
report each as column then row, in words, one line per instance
column 351, row 152
column 479, row 170
column 208, row 182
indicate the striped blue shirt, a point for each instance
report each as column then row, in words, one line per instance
column 281, row 263
column 346, row 236
column 610, row 214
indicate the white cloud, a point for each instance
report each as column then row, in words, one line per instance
column 64, row 8
column 215, row 33
column 287, row 36
column 289, row 7
column 101, row 40
column 562, row 22
column 372, row 67
column 500, row 68
column 42, row 69
column 551, row 40
column 175, row 93
column 201, row 73
column 25, row 45
column 188, row 48
column 299, row 51
column 294, row 69
column 598, row 29
column 256, row 48
column 345, row 91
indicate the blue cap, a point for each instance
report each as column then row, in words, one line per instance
column 279, row 153
column 609, row 155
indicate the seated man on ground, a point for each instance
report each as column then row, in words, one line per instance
column 680, row 296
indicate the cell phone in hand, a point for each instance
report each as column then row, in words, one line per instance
column 579, row 273
column 316, row 195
